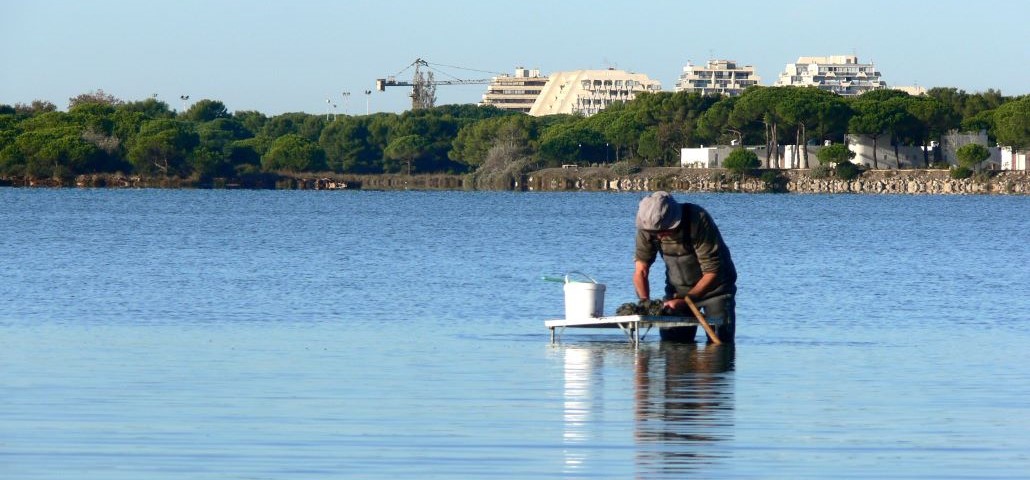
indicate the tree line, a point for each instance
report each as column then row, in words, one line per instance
column 103, row 134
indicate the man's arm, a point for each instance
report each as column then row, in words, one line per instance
column 641, row 272
column 646, row 251
column 702, row 286
column 706, row 246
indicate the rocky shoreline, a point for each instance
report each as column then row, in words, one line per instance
column 786, row 181
column 911, row 182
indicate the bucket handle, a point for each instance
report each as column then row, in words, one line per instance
column 581, row 274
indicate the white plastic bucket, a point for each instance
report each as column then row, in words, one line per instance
column 583, row 299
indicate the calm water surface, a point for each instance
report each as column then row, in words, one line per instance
column 301, row 334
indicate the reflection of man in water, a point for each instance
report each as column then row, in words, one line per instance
column 684, row 406
column 697, row 263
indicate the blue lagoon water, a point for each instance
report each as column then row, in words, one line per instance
column 304, row 334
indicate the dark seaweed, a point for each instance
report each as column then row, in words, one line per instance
column 651, row 308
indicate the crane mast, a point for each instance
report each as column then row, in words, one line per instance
column 423, row 92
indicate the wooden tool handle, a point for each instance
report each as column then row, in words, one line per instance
column 701, row 319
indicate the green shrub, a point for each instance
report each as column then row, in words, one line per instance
column 847, row 171
column 740, row 161
column 836, row 153
column 971, row 155
column 625, row 168
column 959, row 173
column 983, row 176
column 774, row 182
column 820, row 172
column 247, row 169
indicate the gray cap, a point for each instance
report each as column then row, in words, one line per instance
column 658, row 211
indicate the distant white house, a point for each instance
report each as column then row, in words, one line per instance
column 704, row 157
column 713, row 157
column 1013, row 159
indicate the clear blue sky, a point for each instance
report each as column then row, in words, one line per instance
column 289, row 56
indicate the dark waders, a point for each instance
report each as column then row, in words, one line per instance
column 722, row 307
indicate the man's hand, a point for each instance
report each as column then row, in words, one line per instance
column 675, row 305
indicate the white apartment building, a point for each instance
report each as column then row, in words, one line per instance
column 914, row 90
column 517, row 92
column 840, row 74
column 717, row 76
column 587, row 92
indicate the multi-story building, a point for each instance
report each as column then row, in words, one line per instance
column 587, row 92
column 914, row 90
column 516, row 92
column 840, row 74
column 717, row 76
